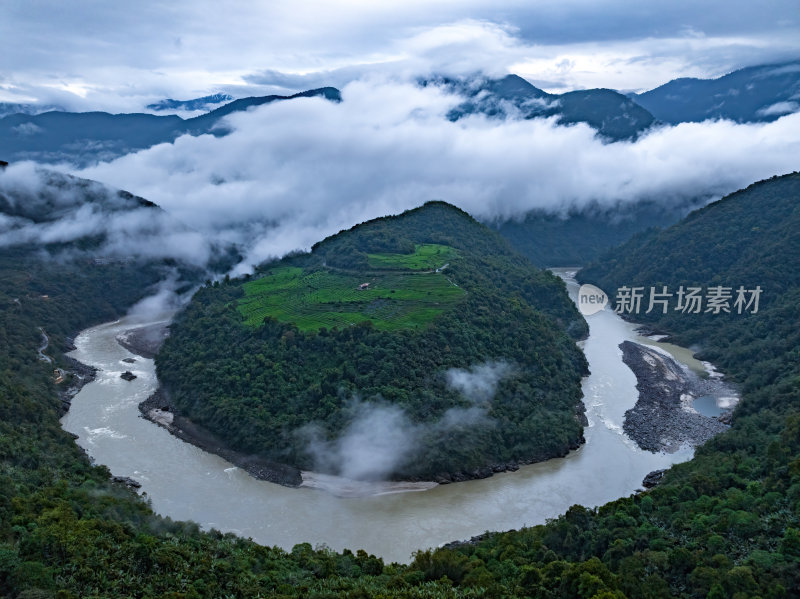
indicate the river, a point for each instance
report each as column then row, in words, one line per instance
column 186, row 483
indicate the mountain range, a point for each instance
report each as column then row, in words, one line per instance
column 761, row 93
column 753, row 94
column 196, row 104
column 83, row 138
column 612, row 114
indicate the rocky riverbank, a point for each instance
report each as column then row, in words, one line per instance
column 145, row 341
column 158, row 409
column 490, row 470
column 78, row 376
column 663, row 418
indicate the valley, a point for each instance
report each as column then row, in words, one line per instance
column 292, row 303
column 390, row 520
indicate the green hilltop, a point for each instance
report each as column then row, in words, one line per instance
column 403, row 291
column 380, row 313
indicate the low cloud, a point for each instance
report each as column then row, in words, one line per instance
column 44, row 207
column 165, row 299
column 27, row 129
column 291, row 173
column 779, row 108
column 479, row 383
column 381, row 438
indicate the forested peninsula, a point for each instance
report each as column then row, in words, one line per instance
column 422, row 340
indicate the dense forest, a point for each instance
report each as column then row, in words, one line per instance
column 580, row 236
column 480, row 310
column 726, row 524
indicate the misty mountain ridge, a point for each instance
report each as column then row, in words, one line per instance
column 84, row 138
column 55, row 195
column 613, row 115
column 753, row 94
column 7, row 108
column 189, row 105
column 580, row 236
column 48, row 213
column 750, row 237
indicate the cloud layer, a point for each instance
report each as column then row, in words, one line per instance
column 42, row 207
column 292, row 173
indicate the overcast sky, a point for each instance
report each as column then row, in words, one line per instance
column 95, row 54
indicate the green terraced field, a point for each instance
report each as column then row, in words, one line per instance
column 312, row 299
column 427, row 256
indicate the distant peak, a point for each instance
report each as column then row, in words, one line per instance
column 441, row 204
column 194, row 104
column 512, row 86
column 516, row 80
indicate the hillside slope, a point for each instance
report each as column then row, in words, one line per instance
column 427, row 326
column 748, row 239
column 582, row 236
column 760, row 93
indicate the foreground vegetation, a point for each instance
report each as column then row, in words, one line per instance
column 381, row 313
column 726, row 524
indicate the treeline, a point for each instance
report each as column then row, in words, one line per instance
column 259, row 388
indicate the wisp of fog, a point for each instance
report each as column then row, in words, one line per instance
column 381, row 437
